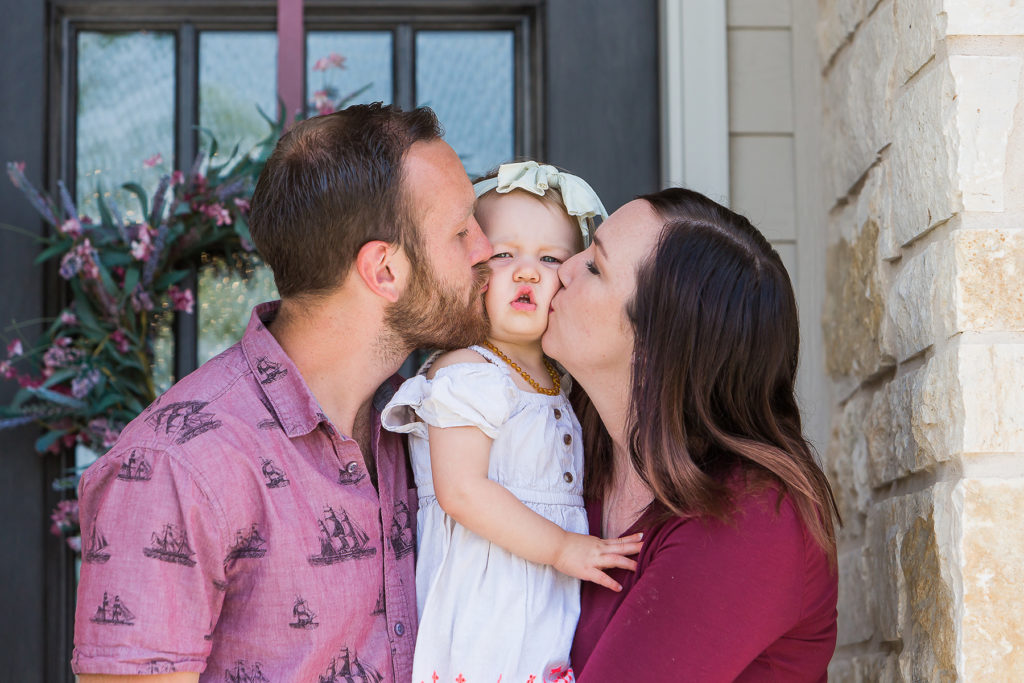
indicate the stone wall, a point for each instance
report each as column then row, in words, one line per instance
column 923, row 163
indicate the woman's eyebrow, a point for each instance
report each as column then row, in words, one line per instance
column 599, row 245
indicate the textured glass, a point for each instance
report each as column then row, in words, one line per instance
column 226, row 299
column 467, row 77
column 347, row 67
column 237, row 74
column 125, row 116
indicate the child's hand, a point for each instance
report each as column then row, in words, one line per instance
column 585, row 556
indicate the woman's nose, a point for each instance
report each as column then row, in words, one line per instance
column 565, row 271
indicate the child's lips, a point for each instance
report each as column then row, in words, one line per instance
column 524, row 300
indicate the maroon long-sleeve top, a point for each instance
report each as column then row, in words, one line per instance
column 753, row 599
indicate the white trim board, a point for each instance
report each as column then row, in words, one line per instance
column 694, row 96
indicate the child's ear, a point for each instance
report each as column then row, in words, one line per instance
column 383, row 268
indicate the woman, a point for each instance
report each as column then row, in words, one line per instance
column 686, row 304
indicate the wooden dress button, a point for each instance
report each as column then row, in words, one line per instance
column 568, row 477
column 567, row 439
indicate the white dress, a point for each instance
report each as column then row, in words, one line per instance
column 484, row 612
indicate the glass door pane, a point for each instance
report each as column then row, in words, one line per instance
column 468, row 78
column 347, row 67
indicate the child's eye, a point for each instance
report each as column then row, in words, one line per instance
column 550, row 259
column 462, row 233
column 501, row 254
column 592, row 268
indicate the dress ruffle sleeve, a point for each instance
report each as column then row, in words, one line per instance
column 463, row 395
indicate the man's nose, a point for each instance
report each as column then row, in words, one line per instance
column 481, row 250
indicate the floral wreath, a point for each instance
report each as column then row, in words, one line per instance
column 91, row 371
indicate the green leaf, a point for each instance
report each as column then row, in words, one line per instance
column 54, row 250
column 115, row 258
column 137, row 190
column 170, row 278
column 105, row 217
column 59, row 399
column 131, row 279
column 60, row 376
column 48, row 439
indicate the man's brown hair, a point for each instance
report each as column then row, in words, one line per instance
column 332, row 184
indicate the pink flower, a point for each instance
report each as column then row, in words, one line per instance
column 86, row 261
column 242, row 204
column 336, row 60
column 15, row 349
column 153, row 160
column 142, row 247
column 68, row 318
column 120, row 341
column 141, row 300
column 72, row 227
column 181, row 299
column 7, row 370
column 177, row 178
column 64, row 517
column 217, row 212
column 75, row 543
column 63, row 342
column 321, row 64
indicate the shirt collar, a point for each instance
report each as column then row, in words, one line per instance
column 296, row 408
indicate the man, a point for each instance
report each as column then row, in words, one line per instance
column 256, row 544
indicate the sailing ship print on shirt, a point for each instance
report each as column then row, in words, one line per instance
column 274, row 475
column 243, row 674
column 157, row 666
column 115, row 613
column 379, row 609
column 96, row 550
column 269, row 370
column 272, row 422
column 171, row 545
column 350, row 475
column 401, row 536
column 346, row 668
column 184, row 419
column 135, row 468
column 340, row 539
column 304, row 616
column 249, row 545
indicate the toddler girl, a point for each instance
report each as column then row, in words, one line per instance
column 497, row 456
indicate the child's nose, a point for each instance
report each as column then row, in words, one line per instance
column 526, row 272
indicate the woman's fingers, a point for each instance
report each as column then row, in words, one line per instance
column 602, row 579
column 630, row 548
column 609, row 560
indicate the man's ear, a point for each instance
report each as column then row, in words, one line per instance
column 383, row 268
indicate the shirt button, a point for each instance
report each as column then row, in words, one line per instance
column 568, row 477
column 567, row 439
column 352, row 467
column 399, row 628
column 558, row 414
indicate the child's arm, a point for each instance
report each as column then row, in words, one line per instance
column 459, row 458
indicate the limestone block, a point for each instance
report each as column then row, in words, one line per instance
column 989, row 277
column 992, row 381
column 854, row 306
column 920, row 28
column 987, row 91
column 856, row 615
column 993, row 575
column 761, row 13
column 846, row 464
column 837, row 21
column 760, row 81
column 876, row 667
column 916, row 559
column 925, row 137
column 919, row 308
column 984, row 17
column 857, row 101
column 762, row 183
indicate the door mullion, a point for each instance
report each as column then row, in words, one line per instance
column 186, row 328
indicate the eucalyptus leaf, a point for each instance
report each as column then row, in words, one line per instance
column 48, row 439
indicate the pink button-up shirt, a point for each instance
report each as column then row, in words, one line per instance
column 233, row 531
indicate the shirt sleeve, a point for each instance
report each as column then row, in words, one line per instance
column 462, row 395
column 712, row 598
column 152, row 578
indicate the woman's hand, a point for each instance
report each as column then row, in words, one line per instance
column 584, row 557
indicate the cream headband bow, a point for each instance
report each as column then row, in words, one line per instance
column 579, row 198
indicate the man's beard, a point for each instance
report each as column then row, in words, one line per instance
column 433, row 315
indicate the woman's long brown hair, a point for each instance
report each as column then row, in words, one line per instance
column 713, row 372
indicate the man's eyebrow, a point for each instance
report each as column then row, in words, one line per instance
column 597, row 243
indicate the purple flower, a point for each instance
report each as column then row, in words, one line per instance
column 15, row 349
column 120, row 341
column 64, row 517
column 72, row 227
column 75, row 543
column 142, row 247
column 242, row 204
column 181, row 299
column 68, row 318
column 177, row 178
column 141, row 300
column 83, row 384
column 217, row 212
column 70, row 264
column 16, row 172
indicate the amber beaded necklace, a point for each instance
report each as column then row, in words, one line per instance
column 555, row 379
